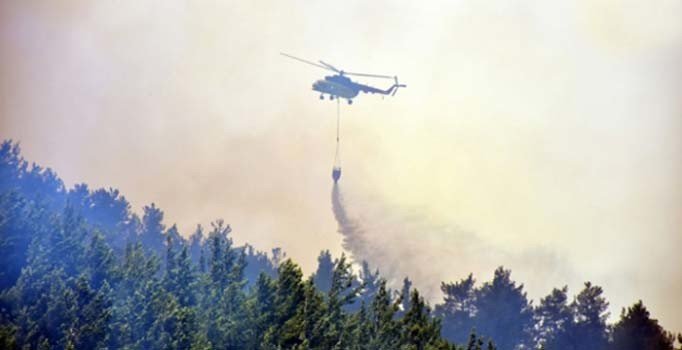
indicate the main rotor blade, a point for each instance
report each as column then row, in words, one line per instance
column 305, row 61
column 330, row 67
column 368, row 75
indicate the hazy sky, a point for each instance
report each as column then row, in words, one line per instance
column 548, row 131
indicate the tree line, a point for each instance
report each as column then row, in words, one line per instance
column 81, row 270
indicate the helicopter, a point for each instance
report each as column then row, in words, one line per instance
column 340, row 86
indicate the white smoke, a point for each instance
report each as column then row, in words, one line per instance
column 403, row 244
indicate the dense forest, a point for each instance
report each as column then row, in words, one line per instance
column 81, row 270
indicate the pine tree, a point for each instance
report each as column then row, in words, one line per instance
column 224, row 307
column 325, row 269
column 100, row 261
column 179, row 278
column 256, row 263
column 234, row 300
column 104, row 209
column 152, row 236
column 503, row 312
column 196, row 242
column 419, row 329
column 458, row 309
column 358, row 329
column 65, row 241
column 589, row 331
column 132, row 312
column 222, row 257
column 261, row 306
column 289, row 298
column 554, row 320
column 41, row 295
column 91, row 313
column 637, row 331
column 474, row 342
column 12, row 166
column 366, row 285
column 314, row 315
column 404, row 296
column 16, row 230
column 385, row 329
column 340, row 294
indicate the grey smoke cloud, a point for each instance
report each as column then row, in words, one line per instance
column 404, row 244
column 532, row 133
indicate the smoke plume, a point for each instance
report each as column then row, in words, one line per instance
column 403, row 244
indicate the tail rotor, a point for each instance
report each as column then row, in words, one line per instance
column 396, row 85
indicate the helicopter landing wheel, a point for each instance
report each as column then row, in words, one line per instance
column 331, row 97
column 321, row 97
column 350, row 102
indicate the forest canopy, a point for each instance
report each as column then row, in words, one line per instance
column 82, row 270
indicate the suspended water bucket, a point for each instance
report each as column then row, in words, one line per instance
column 336, row 173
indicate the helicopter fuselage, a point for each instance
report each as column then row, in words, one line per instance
column 337, row 86
column 340, row 86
